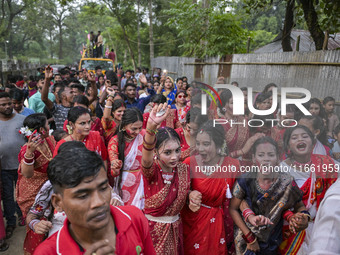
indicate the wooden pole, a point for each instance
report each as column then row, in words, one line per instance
column 325, row 42
column 298, row 43
column 248, row 44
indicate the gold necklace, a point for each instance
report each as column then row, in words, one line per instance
column 47, row 149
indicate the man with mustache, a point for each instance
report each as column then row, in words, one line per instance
column 10, row 145
column 82, row 191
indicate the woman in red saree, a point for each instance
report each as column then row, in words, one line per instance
column 189, row 131
column 125, row 154
column 238, row 139
column 96, row 124
column 203, row 222
column 166, row 184
column 171, row 121
column 32, row 173
column 80, row 126
column 112, row 116
column 313, row 174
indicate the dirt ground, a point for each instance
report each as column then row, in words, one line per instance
column 16, row 242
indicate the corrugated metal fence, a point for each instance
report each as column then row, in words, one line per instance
column 317, row 71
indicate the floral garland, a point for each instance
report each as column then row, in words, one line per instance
column 26, row 131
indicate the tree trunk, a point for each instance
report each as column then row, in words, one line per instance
column 129, row 46
column 138, row 34
column 51, row 43
column 60, row 41
column 152, row 50
column 288, row 26
column 9, row 45
column 311, row 18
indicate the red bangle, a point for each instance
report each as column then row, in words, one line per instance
column 249, row 238
column 145, row 142
column 148, row 149
column 119, row 75
column 287, row 215
column 28, row 160
column 246, row 213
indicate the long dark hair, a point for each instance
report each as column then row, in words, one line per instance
column 165, row 134
column 76, row 112
column 288, row 134
column 225, row 97
column 216, row 133
column 117, row 104
column 35, row 121
column 251, row 178
column 317, row 123
column 131, row 115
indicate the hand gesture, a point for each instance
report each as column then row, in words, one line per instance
column 48, row 73
column 33, row 142
column 195, row 200
column 116, row 165
column 246, row 148
column 91, row 77
column 259, row 220
column 298, row 222
column 143, row 79
column 115, row 202
column 158, row 114
column 42, row 227
column 102, row 247
column 108, row 83
column 110, row 91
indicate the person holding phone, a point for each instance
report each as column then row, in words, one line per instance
column 34, row 158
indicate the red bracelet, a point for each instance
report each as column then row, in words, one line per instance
column 246, row 213
column 287, row 215
column 153, row 143
column 148, row 149
column 249, row 238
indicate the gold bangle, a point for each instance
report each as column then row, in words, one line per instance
column 253, row 241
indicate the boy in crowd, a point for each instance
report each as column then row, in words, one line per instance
column 82, row 191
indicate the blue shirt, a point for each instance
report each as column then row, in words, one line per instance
column 36, row 104
column 139, row 103
column 26, row 111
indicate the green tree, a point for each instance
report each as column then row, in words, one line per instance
column 319, row 16
column 208, row 29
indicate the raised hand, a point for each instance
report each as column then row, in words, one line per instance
column 110, row 91
column 143, row 79
column 33, row 142
column 158, row 114
column 90, row 77
column 48, row 73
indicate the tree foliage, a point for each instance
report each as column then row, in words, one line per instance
column 207, row 31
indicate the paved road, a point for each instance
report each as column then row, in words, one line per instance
column 16, row 242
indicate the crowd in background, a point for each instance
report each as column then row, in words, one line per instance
column 145, row 134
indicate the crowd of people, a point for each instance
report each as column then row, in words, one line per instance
column 126, row 163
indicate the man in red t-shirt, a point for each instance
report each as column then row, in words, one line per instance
column 112, row 55
column 82, row 191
